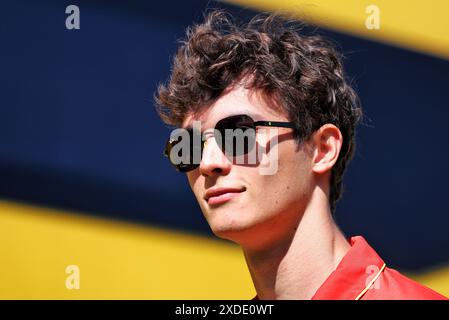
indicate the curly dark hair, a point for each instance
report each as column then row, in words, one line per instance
column 303, row 74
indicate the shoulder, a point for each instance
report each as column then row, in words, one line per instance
column 393, row 285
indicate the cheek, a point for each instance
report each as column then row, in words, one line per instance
column 292, row 181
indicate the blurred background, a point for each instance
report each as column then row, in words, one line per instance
column 84, row 185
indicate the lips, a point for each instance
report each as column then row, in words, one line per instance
column 221, row 195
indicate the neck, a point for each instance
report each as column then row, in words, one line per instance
column 296, row 266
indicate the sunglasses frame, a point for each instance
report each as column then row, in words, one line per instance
column 261, row 123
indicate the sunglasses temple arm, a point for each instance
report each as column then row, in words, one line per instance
column 275, row 124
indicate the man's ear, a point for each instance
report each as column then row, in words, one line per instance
column 327, row 142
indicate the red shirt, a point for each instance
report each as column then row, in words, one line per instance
column 362, row 274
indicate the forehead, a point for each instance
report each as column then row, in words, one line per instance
column 239, row 100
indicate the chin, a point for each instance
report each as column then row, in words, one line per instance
column 231, row 229
column 231, row 235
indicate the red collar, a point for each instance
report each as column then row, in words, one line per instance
column 352, row 274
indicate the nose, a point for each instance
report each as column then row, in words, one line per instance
column 213, row 161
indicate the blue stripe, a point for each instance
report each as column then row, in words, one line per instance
column 78, row 129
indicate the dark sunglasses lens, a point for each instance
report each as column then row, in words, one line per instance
column 187, row 157
column 238, row 135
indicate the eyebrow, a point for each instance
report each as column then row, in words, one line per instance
column 255, row 116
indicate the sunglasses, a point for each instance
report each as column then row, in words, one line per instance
column 240, row 142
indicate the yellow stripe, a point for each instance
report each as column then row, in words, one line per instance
column 122, row 261
column 413, row 24
column 115, row 260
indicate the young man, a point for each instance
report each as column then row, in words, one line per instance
column 285, row 96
